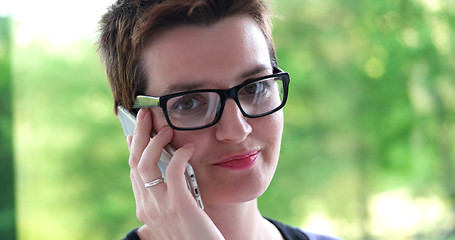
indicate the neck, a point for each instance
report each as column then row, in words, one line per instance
column 241, row 221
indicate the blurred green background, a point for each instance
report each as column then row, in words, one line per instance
column 369, row 139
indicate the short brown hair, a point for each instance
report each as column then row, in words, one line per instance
column 129, row 26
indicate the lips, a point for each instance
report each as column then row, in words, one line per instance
column 239, row 161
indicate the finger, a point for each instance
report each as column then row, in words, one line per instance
column 139, row 196
column 136, row 190
column 141, row 136
column 147, row 167
column 129, row 139
column 175, row 173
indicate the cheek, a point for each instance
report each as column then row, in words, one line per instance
column 271, row 126
column 271, row 131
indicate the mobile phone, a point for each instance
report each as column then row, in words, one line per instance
column 128, row 121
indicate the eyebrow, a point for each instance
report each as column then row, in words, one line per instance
column 180, row 87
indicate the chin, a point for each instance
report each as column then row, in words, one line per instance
column 243, row 189
column 233, row 198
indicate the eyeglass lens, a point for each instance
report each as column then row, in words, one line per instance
column 198, row 109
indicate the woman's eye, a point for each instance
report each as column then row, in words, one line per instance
column 186, row 103
column 256, row 88
column 252, row 88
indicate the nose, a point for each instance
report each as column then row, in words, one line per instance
column 232, row 126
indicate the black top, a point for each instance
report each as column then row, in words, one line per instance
column 288, row 232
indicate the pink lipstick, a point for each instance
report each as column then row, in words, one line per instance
column 240, row 161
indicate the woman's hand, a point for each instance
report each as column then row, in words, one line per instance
column 168, row 210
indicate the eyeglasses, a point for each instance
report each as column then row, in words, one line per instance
column 197, row 109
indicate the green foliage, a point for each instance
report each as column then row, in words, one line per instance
column 7, row 215
column 72, row 157
column 371, row 111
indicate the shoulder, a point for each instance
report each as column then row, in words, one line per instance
column 315, row 236
column 294, row 233
column 132, row 235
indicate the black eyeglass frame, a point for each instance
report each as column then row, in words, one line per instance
column 150, row 101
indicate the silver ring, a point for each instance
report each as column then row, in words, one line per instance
column 154, row 182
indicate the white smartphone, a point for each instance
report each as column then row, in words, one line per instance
column 128, row 122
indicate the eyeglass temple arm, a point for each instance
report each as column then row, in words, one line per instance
column 277, row 70
column 146, row 101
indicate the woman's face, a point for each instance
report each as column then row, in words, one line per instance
column 235, row 159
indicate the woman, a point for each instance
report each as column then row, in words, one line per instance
column 212, row 65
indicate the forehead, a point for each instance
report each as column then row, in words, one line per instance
column 214, row 56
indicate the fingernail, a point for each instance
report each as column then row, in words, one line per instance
column 129, row 139
column 141, row 114
column 165, row 130
column 188, row 146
